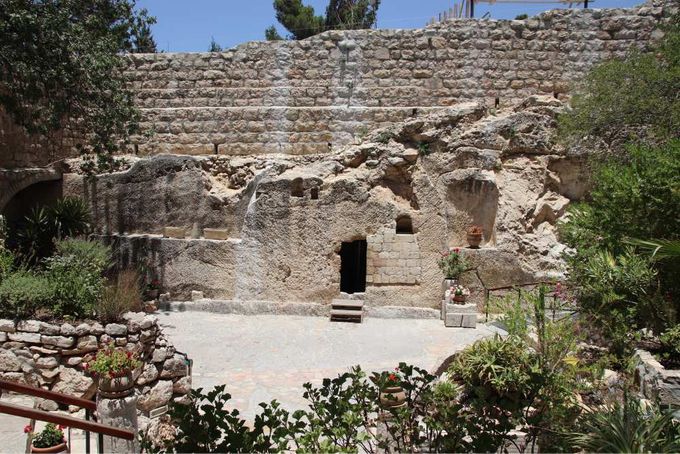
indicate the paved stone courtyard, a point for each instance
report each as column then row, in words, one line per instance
column 265, row 357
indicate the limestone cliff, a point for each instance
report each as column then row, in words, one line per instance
column 287, row 216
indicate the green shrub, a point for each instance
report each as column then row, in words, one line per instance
column 76, row 274
column 6, row 263
column 623, row 98
column 123, row 295
column 670, row 343
column 71, row 217
column 628, row 426
column 453, row 263
column 23, row 293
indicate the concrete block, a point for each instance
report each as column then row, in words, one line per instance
column 174, row 232
column 453, row 320
column 469, row 320
column 215, row 234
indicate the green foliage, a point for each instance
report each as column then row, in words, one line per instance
column 76, row 274
column 71, row 217
column 272, row 34
column 302, row 22
column 3, row 231
column 453, row 263
column 424, row 148
column 48, row 437
column 351, row 14
column 522, row 16
column 623, row 98
column 214, row 47
column 123, row 295
column 112, row 362
column 385, row 136
column 61, row 66
column 628, row 427
column 6, row 263
column 22, row 293
column 670, row 344
column 620, row 290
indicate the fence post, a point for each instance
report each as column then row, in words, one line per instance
column 121, row 413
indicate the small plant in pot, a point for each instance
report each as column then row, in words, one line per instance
column 459, row 294
column 474, row 236
column 50, row 439
column 392, row 394
column 113, row 368
column 152, row 289
column 452, row 263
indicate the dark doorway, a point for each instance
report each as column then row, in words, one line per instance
column 353, row 267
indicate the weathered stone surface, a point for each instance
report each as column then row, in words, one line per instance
column 116, row 329
column 67, row 329
column 174, row 367
column 159, row 395
column 74, row 383
column 9, row 362
column 47, row 362
column 31, row 338
column 58, row 341
column 83, row 329
column 182, row 385
column 174, row 232
column 7, row 326
column 30, row 326
column 215, row 234
column 656, row 382
column 148, row 375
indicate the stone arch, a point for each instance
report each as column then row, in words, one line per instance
column 13, row 182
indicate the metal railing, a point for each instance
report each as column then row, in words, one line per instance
column 87, row 425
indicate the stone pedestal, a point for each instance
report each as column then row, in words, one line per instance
column 121, row 413
column 460, row 316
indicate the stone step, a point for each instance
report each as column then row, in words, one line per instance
column 460, row 320
column 347, row 315
column 347, row 304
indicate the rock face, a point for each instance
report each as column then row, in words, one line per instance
column 56, row 364
column 410, row 191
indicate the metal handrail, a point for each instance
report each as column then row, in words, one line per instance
column 69, row 421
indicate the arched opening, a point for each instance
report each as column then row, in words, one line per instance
column 297, row 188
column 44, row 193
column 314, row 193
column 404, row 224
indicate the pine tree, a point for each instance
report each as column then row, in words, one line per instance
column 351, row 14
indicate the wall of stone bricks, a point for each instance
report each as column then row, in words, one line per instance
column 311, row 96
column 392, row 258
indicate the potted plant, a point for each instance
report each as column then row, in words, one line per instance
column 113, row 369
column 474, row 236
column 459, row 294
column 50, row 439
column 452, row 263
column 392, row 394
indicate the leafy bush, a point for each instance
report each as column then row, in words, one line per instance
column 121, row 296
column 36, row 235
column 670, row 344
column 628, row 426
column 623, row 98
column 76, row 274
column 6, row 263
column 23, row 293
column 113, row 362
column 453, row 263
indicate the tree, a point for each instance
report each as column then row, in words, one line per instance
column 143, row 41
column 351, row 14
column 214, row 47
column 272, row 34
column 637, row 97
column 302, row 22
column 61, row 68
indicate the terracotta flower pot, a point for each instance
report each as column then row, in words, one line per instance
column 116, row 387
column 57, row 448
column 392, row 397
column 459, row 298
column 474, row 240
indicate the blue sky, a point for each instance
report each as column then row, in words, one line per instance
column 188, row 25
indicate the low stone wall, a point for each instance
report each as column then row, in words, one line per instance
column 656, row 382
column 51, row 355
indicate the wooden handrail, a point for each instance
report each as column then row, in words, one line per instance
column 50, row 395
column 69, row 421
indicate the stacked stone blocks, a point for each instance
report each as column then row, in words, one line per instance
column 392, row 258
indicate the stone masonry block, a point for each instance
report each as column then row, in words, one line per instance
column 174, row 232
column 215, row 234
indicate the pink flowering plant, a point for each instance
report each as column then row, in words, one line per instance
column 453, row 263
column 112, row 362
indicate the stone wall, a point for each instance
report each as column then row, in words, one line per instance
column 393, row 258
column 51, row 355
column 311, row 96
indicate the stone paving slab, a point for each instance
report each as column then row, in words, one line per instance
column 262, row 357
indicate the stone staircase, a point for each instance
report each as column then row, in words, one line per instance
column 348, row 308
